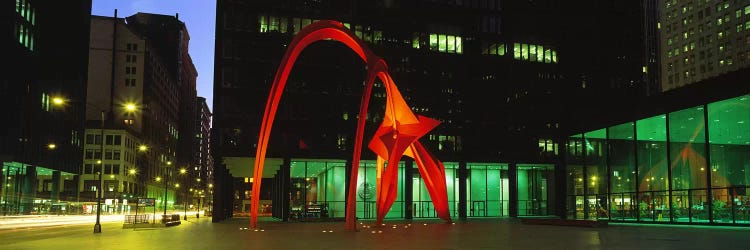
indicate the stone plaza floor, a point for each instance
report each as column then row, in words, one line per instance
column 417, row 234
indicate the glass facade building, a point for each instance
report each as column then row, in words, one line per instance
column 685, row 166
column 317, row 189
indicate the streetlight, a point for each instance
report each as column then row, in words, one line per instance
column 130, row 107
column 182, row 172
column 166, row 179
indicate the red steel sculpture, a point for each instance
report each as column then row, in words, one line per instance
column 397, row 136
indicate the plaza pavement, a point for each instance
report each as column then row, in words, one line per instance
column 418, row 234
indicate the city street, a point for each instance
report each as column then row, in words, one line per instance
column 431, row 234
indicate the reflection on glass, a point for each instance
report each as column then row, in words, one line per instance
column 533, row 189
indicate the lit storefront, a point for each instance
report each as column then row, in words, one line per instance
column 686, row 166
column 317, row 190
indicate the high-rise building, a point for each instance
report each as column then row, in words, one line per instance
column 204, row 161
column 170, row 40
column 42, row 140
column 702, row 39
column 489, row 71
column 134, row 85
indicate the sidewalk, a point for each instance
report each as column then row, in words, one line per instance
column 429, row 234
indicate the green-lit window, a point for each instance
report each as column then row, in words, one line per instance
column 596, row 173
column 283, row 25
column 574, row 177
column 652, row 168
column 459, row 46
column 415, row 41
column 747, row 10
column 442, row 42
column 296, row 25
column 487, row 190
column 273, row 23
column 263, row 21
column 434, row 42
column 358, row 31
column 501, row 49
column 547, row 55
column 517, row 51
column 688, row 164
column 729, row 121
column 45, row 102
column 525, row 52
column 451, row 44
column 306, row 22
column 622, row 164
column 532, row 52
column 533, row 189
column 377, row 36
column 554, row 56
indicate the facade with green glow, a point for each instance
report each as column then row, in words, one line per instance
column 687, row 164
column 317, row 190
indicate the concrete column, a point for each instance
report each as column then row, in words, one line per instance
column 513, row 186
column 463, row 175
column 55, row 192
column 28, row 193
column 409, row 188
column 285, row 175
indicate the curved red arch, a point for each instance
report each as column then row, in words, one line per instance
column 321, row 30
column 377, row 69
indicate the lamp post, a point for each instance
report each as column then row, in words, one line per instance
column 100, row 193
column 183, row 172
column 129, row 107
column 166, row 180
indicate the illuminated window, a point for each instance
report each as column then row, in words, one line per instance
column 516, row 51
column 296, row 25
column 554, row 56
column 442, row 40
column 451, row 44
column 263, row 24
column 532, row 52
column 459, row 47
column 415, row 41
column 433, row 42
column 525, row 52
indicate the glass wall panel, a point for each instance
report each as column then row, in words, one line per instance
column 488, row 189
column 741, row 205
column 687, row 142
column 652, row 168
column 596, row 173
column 574, row 177
column 729, row 136
column 698, row 206
column 397, row 210
column 533, row 188
column 366, row 185
column 622, row 164
column 477, row 190
column 688, row 165
column 366, row 191
column 422, row 202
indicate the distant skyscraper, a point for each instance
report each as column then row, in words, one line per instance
column 204, row 161
column 702, row 39
column 147, row 70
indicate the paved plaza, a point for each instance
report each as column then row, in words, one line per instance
column 429, row 234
